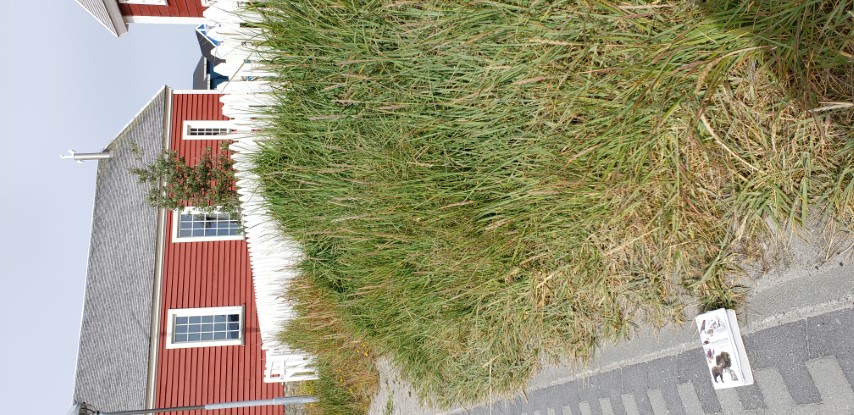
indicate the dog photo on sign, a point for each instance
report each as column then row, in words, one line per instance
column 722, row 364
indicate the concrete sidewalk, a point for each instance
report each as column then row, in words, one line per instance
column 801, row 367
column 798, row 329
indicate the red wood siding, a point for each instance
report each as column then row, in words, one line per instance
column 174, row 8
column 209, row 274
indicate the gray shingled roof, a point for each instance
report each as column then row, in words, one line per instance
column 107, row 12
column 112, row 362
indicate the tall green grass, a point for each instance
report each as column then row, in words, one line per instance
column 345, row 365
column 480, row 186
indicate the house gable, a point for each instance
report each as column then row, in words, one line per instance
column 113, row 358
column 115, row 15
column 169, row 322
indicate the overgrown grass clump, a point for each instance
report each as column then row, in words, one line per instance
column 480, row 185
column 345, row 365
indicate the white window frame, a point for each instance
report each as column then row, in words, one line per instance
column 145, row 2
column 206, row 311
column 207, row 3
column 188, row 124
column 165, row 20
column 176, row 222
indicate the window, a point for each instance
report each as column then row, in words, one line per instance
column 204, row 327
column 207, row 130
column 192, row 225
column 148, row 2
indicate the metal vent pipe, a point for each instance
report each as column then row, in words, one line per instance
column 81, row 157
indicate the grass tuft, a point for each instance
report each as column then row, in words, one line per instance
column 481, row 186
column 345, row 365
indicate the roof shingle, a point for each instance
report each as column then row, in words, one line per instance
column 112, row 361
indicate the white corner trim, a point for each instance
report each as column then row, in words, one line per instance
column 196, row 92
column 176, row 219
column 145, row 2
column 165, row 20
column 206, row 311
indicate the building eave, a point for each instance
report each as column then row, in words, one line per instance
column 157, row 287
column 107, row 13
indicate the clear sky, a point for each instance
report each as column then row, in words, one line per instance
column 67, row 83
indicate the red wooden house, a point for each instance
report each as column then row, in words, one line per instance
column 116, row 14
column 170, row 316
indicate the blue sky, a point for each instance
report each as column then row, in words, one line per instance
column 67, row 83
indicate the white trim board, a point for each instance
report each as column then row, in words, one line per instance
column 200, row 312
column 165, row 20
column 145, row 2
column 157, row 288
column 195, row 91
column 176, row 219
column 226, row 126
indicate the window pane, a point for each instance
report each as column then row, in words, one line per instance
column 214, row 224
column 206, row 328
